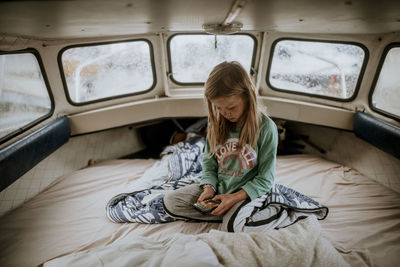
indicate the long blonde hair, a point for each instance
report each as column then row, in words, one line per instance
column 225, row 80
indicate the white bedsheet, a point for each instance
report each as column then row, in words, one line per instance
column 298, row 245
column 180, row 250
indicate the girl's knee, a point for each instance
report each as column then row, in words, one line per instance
column 170, row 200
column 179, row 202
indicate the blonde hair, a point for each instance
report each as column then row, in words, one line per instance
column 225, row 80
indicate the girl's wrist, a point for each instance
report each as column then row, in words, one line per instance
column 240, row 195
column 209, row 186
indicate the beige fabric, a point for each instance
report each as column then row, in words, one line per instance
column 180, row 250
column 69, row 216
column 364, row 217
column 298, row 245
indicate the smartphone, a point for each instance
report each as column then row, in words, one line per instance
column 206, row 206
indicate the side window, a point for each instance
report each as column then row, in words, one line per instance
column 385, row 96
column 24, row 96
column 103, row 71
column 323, row 69
column 192, row 56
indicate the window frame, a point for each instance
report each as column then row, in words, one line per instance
column 64, row 81
column 28, row 126
column 171, row 76
column 359, row 80
column 375, row 81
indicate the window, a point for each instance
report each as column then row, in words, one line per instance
column 104, row 71
column 324, row 69
column 193, row 56
column 24, row 96
column 386, row 93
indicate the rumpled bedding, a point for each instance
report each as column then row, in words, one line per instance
column 279, row 208
column 301, row 244
column 182, row 164
column 180, row 250
column 68, row 216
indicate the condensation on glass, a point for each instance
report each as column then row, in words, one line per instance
column 23, row 93
column 316, row 68
column 194, row 55
column 386, row 94
column 108, row 70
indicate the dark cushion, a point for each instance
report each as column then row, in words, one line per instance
column 378, row 133
column 20, row 157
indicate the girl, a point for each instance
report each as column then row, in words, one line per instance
column 240, row 153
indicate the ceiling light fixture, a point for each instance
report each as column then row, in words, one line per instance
column 228, row 26
column 220, row 29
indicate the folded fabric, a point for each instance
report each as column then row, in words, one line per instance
column 299, row 245
column 186, row 158
column 279, row 208
column 155, row 175
column 179, row 250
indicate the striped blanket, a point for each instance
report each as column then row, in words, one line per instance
column 146, row 206
column 280, row 207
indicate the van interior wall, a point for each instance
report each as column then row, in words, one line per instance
column 74, row 155
column 130, row 142
column 347, row 149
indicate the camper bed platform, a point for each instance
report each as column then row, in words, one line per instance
column 363, row 223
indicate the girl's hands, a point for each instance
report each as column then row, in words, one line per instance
column 208, row 193
column 227, row 201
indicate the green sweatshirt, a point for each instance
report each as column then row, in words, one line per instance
column 250, row 168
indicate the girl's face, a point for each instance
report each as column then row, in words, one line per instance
column 231, row 108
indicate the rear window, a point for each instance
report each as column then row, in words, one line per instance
column 322, row 69
column 192, row 56
column 103, row 71
column 24, row 96
column 386, row 93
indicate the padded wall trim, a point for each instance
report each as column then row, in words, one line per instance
column 20, row 157
column 378, row 133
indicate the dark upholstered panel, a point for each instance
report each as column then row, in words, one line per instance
column 20, row 157
column 378, row 133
